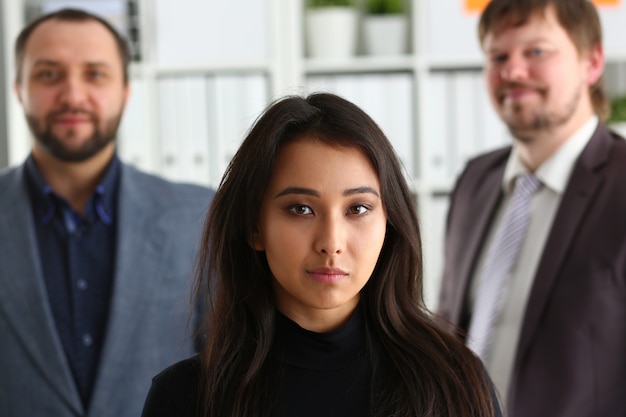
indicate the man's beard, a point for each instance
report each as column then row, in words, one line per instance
column 102, row 135
column 541, row 120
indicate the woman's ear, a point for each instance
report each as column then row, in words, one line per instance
column 256, row 242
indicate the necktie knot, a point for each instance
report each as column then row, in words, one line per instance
column 527, row 184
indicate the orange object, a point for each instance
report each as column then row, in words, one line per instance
column 607, row 2
column 474, row 6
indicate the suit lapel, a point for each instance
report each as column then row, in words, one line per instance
column 582, row 187
column 23, row 299
column 141, row 240
column 485, row 193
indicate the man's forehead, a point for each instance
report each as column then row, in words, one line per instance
column 71, row 34
column 518, row 19
column 77, row 41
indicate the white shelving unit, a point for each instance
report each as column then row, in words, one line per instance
column 17, row 136
column 209, row 67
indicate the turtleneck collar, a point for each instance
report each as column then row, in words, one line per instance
column 336, row 349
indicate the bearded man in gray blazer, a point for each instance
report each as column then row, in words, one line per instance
column 96, row 258
column 549, row 322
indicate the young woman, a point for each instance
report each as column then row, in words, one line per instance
column 311, row 260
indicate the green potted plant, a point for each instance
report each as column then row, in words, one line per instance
column 617, row 119
column 313, row 4
column 331, row 28
column 385, row 27
column 384, row 7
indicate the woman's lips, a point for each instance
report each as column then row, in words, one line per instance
column 328, row 275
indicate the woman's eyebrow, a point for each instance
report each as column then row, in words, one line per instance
column 298, row 190
column 314, row 193
column 361, row 190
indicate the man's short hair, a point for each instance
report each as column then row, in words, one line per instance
column 69, row 15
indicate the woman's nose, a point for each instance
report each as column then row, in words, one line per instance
column 330, row 238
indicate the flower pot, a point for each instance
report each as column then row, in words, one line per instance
column 385, row 34
column 331, row 32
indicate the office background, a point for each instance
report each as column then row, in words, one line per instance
column 204, row 69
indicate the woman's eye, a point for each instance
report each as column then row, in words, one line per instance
column 358, row 209
column 300, row 209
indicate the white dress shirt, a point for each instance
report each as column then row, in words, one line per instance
column 554, row 174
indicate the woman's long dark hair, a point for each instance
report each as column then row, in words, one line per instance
column 427, row 371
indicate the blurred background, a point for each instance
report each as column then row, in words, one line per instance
column 203, row 70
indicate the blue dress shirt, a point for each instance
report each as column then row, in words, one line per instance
column 77, row 254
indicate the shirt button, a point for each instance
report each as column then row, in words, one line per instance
column 87, row 340
column 81, row 284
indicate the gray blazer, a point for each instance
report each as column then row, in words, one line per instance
column 571, row 356
column 159, row 227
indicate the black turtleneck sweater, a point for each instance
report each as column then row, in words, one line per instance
column 323, row 374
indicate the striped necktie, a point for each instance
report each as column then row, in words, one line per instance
column 499, row 264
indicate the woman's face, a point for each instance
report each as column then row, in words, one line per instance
column 322, row 227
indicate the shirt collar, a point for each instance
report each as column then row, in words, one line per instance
column 555, row 171
column 102, row 203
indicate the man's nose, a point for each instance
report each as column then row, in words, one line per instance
column 73, row 92
column 514, row 69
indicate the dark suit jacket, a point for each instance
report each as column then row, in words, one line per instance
column 158, row 230
column 571, row 356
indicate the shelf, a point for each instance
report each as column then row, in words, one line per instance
column 405, row 63
column 616, row 56
column 159, row 70
column 453, row 63
column 360, row 64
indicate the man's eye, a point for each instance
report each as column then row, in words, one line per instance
column 300, row 209
column 498, row 59
column 47, row 75
column 96, row 75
